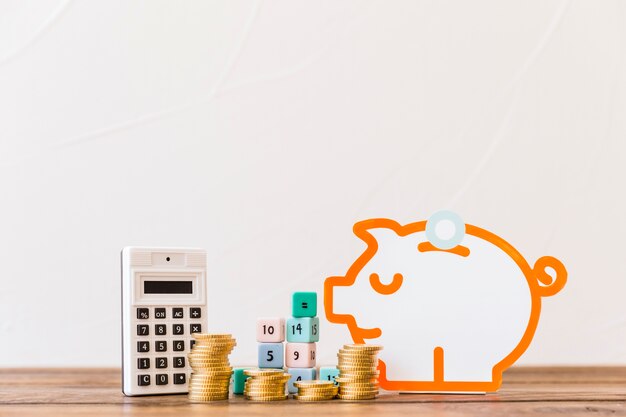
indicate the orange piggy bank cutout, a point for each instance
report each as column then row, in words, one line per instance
column 453, row 304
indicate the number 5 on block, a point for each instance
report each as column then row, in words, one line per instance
column 271, row 355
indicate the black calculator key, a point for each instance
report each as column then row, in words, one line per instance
column 160, row 346
column 160, row 329
column 180, row 378
column 195, row 312
column 178, row 329
column 143, row 313
column 177, row 312
column 159, row 313
column 143, row 346
column 192, row 343
column 143, row 330
column 179, row 345
column 179, row 362
column 161, row 379
column 143, row 380
column 143, row 363
column 161, row 362
column 196, row 328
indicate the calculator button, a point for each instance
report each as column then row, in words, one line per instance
column 159, row 313
column 192, row 343
column 160, row 346
column 180, row 378
column 143, row 313
column 143, row 380
column 143, row 363
column 195, row 328
column 161, row 379
column 161, row 362
column 178, row 329
column 179, row 345
column 143, row 330
column 179, row 362
column 143, row 346
column 177, row 313
column 195, row 312
column 160, row 329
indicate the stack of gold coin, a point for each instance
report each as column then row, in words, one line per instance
column 265, row 384
column 210, row 380
column 315, row 390
column 358, row 374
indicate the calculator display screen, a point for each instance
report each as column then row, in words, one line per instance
column 168, row 287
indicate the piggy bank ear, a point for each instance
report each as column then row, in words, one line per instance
column 374, row 231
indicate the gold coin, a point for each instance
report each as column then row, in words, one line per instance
column 359, row 386
column 208, row 391
column 216, row 365
column 321, row 389
column 313, row 383
column 313, row 397
column 356, row 397
column 357, row 352
column 267, row 398
column 208, row 336
column 268, row 380
column 222, row 344
column 209, row 397
column 356, row 359
column 263, row 372
column 357, row 365
column 358, row 374
column 345, row 391
column 363, row 347
column 275, row 382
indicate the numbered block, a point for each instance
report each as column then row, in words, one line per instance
column 304, row 304
column 299, row 374
column 329, row 373
column 271, row 355
column 303, row 330
column 270, row 329
column 300, row 355
column 239, row 380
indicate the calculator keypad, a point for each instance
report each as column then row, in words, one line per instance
column 163, row 340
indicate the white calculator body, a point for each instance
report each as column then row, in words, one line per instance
column 163, row 303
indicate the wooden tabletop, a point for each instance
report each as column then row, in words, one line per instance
column 527, row 391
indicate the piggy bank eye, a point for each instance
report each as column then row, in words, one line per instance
column 386, row 289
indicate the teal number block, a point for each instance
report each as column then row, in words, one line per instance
column 271, row 355
column 329, row 373
column 303, row 329
column 304, row 304
column 239, row 380
column 299, row 374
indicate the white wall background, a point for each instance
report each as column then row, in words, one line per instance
column 263, row 130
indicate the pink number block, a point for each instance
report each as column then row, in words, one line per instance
column 270, row 329
column 300, row 355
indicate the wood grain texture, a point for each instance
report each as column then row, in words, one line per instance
column 527, row 391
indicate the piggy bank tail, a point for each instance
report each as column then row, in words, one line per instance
column 548, row 284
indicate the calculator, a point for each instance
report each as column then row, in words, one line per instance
column 163, row 304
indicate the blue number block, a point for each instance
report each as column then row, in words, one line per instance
column 303, row 330
column 304, row 304
column 329, row 373
column 239, row 380
column 299, row 374
column 271, row 355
